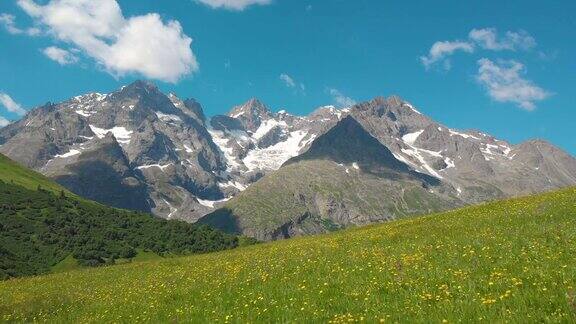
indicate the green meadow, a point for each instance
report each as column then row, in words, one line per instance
column 506, row 261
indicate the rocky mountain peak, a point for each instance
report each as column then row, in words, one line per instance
column 141, row 85
column 189, row 106
column 251, row 114
column 349, row 143
column 137, row 91
column 394, row 100
column 329, row 112
column 251, row 108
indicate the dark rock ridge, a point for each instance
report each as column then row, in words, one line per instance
column 349, row 143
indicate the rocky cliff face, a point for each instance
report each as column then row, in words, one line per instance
column 134, row 148
column 138, row 148
column 477, row 165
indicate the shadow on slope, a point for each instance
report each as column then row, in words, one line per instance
column 348, row 142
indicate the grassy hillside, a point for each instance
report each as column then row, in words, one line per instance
column 44, row 228
column 12, row 172
column 316, row 196
column 504, row 261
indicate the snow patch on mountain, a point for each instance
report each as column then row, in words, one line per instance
column 221, row 141
column 168, row 117
column 417, row 154
column 188, row 149
column 177, row 102
column 121, row 134
column 267, row 126
column 160, row 166
column 68, row 154
column 211, row 203
column 492, row 151
column 449, row 163
column 401, row 158
column 172, row 209
column 272, row 157
column 85, row 105
column 238, row 114
column 233, row 184
column 412, row 137
column 456, row 133
column 412, row 108
column 85, row 113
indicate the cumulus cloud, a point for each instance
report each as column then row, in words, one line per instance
column 505, row 83
column 487, row 38
column 140, row 44
column 238, row 5
column 62, row 56
column 11, row 105
column 340, row 99
column 9, row 23
column 441, row 50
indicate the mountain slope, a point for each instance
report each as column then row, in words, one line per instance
column 346, row 177
column 141, row 149
column 507, row 261
column 481, row 167
column 41, row 224
column 134, row 148
column 13, row 173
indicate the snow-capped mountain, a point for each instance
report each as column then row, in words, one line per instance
column 134, row 148
column 477, row 165
column 138, row 148
column 356, row 174
column 255, row 141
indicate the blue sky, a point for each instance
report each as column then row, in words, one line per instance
column 505, row 67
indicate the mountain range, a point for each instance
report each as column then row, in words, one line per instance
column 271, row 174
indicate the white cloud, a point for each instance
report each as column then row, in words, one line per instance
column 485, row 38
column 140, row 44
column 291, row 83
column 11, row 105
column 62, row 56
column 505, row 83
column 488, row 39
column 233, row 4
column 441, row 50
column 340, row 99
column 4, row 121
column 288, row 81
column 9, row 22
